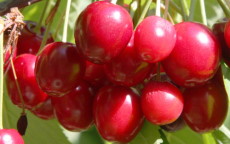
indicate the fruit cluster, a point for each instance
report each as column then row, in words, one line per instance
column 109, row 77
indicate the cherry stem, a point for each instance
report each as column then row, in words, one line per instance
column 158, row 71
column 203, row 12
column 18, row 87
column 158, row 8
column 224, row 7
column 59, row 24
column 192, row 10
column 66, row 21
column 184, row 10
column 1, row 73
column 144, row 12
column 38, row 27
column 174, row 6
column 228, row 3
column 166, row 9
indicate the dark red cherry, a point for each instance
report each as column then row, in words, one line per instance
column 10, row 53
column 218, row 30
column 31, row 93
column 58, row 68
column 29, row 41
column 10, row 136
column 117, row 113
column 102, row 31
column 205, row 107
column 95, row 75
column 227, row 33
column 45, row 110
column 74, row 110
column 128, row 69
column 162, row 103
column 154, row 39
column 195, row 57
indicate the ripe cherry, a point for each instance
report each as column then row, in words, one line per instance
column 44, row 110
column 162, row 103
column 128, row 69
column 154, row 39
column 218, row 30
column 195, row 57
column 29, row 41
column 227, row 33
column 205, row 107
column 31, row 93
column 74, row 110
column 102, row 31
column 117, row 113
column 58, row 68
column 10, row 136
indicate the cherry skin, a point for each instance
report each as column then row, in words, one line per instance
column 195, row 57
column 174, row 126
column 10, row 136
column 154, row 39
column 127, row 69
column 218, row 30
column 102, row 31
column 117, row 113
column 162, row 103
column 31, row 93
column 45, row 110
column 227, row 33
column 95, row 75
column 205, row 107
column 29, row 41
column 74, row 110
column 58, row 68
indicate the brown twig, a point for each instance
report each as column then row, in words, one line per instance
column 6, row 5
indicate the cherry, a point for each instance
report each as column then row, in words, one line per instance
column 205, row 107
column 74, row 110
column 44, row 110
column 10, row 53
column 31, row 93
column 174, row 126
column 10, row 136
column 227, row 33
column 117, row 113
column 58, row 68
column 29, row 41
column 95, row 75
column 162, row 103
column 195, row 57
column 154, row 39
column 218, row 30
column 127, row 69
column 102, row 31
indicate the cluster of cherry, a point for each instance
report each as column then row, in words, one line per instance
column 109, row 77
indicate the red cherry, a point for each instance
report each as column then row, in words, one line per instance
column 205, row 107
column 154, row 39
column 162, row 103
column 127, row 69
column 44, row 110
column 218, row 30
column 10, row 136
column 102, row 31
column 58, row 68
column 74, row 110
column 95, row 75
column 196, row 55
column 31, row 93
column 227, row 33
column 29, row 41
column 10, row 53
column 117, row 113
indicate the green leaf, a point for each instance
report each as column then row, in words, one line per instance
column 221, row 137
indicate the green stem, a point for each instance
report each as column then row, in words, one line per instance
column 192, row 10
column 224, row 7
column 183, row 10
column 174, row 6
column 44, row 11
column 158, row 8
column 144, row 12
column 1, row 73
column 228, row 3
column 203, row 12
column 166, row 9
column 65, row 30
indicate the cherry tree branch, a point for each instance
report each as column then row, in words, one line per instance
column 6, row 5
